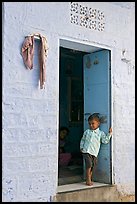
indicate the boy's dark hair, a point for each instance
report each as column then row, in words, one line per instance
column 99, row 117
column 64, row 128
column 94, row 116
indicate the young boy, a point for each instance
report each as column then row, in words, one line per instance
column 90, row 144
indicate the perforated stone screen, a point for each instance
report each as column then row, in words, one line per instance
column 87, row 17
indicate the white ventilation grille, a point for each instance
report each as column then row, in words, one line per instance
column 86, row 17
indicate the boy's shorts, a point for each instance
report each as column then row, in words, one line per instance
column 90, row 160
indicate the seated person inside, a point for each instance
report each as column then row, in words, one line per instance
column 64, row 157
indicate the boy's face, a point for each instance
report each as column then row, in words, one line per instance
column 94, row 124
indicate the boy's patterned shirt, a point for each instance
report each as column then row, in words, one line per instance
column 91, row 140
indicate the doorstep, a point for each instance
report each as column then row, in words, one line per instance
column 78, row 186
column 80, row 192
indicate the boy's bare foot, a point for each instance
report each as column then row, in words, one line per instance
column 89, row 183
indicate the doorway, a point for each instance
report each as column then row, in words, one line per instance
column 73, row 111
column 71, row 114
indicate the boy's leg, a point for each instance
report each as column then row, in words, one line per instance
column 88, row 161
column 88, row 177
column 91, row 174
column 94, row 162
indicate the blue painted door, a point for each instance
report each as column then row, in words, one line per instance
column 97, row 100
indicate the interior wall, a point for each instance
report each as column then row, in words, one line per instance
column 75, row 60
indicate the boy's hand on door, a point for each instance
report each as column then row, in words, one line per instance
column 110, row 130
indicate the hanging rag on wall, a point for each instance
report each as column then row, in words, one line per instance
column 27, row 52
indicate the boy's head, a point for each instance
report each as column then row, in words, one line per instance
column 94, row 121
column 63, row 132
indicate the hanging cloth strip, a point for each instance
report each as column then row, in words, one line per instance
column 27, row 52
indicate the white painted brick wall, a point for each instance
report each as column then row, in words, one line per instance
column 30, row 115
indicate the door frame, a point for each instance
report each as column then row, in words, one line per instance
column 90, row 47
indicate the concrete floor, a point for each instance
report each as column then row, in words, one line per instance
column 70, row 174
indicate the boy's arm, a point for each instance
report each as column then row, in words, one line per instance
column 82, row 141
column 106, row 137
